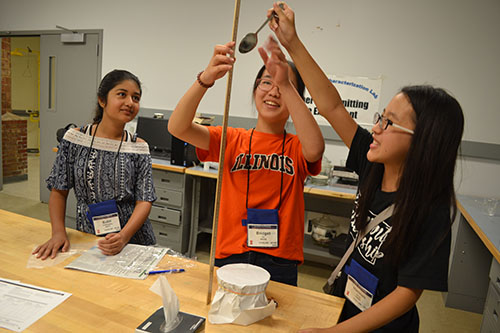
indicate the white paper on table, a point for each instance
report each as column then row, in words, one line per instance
column 34, row 262
column 23, row 304
column 223, row 307
column 133, row 262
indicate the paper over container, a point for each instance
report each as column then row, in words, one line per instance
column 241, row 298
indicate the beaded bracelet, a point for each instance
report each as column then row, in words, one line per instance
column 201, row 83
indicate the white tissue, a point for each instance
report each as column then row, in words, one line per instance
column 162, row 288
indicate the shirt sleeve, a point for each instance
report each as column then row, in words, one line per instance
column 61, row 175
column 212, row 154
column 144, row 188
column 314, row 168
column 427, row 265
column 356, row 160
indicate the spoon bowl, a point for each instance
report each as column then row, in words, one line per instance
column 250, row 40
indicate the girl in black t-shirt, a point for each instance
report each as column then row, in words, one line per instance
column 409, row 160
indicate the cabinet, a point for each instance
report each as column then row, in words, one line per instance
column 491, row 320
column 325, row 204
column 468, row 271
column 474, row 274
column 171, row 213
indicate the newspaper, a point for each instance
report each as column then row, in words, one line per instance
column 133, row 262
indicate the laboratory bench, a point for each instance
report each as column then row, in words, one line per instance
column 103, row 303
column 474, row 272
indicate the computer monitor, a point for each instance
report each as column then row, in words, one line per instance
column 155, row 132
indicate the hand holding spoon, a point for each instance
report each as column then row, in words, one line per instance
column 248, row 42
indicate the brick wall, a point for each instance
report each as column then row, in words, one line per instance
column 6, row 77
column 14, row 128
column 14, row 148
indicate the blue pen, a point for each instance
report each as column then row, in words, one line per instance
column 180, row 270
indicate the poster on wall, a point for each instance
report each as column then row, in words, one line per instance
column 360, row 95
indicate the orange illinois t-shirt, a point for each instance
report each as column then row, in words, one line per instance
column 264, row 188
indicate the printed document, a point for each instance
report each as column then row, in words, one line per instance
column 133, row 262
column 22, row 304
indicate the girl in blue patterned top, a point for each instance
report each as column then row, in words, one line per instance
column 109, row 170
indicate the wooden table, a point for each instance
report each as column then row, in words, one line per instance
column 101, row 303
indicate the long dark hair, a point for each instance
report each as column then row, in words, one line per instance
column 428, row 172
column 108, row 82
column 300, row 84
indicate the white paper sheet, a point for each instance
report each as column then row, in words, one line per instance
column 22, row 304
column 133, row 262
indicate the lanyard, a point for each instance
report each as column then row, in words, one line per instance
column 87, row 162
column 247, row 165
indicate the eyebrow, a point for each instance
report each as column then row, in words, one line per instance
column 125, row 90
column 391, row 114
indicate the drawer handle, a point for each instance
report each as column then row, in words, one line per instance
column 495, row 315
column 498, row 282
column 162, row 217
column 165, row 180
column 163, row 234
column 163, row 199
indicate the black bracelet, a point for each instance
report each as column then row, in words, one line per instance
column 201, row 83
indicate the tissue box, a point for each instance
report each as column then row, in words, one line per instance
column 189, row 323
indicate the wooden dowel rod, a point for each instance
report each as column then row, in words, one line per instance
column 215, row 223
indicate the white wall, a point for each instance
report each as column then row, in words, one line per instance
column 448, row 43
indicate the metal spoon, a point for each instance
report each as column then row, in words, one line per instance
column 248, row 42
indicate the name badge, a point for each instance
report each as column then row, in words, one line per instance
column 262, row 235
column 104, row 224
column 361, row 285
column 104, row 216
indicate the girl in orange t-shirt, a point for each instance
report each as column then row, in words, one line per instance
column 261, row 219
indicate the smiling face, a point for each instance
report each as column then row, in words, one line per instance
column 390, row 146
column 122, row 102
column 269, row 104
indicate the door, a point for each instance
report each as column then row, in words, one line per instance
column 1, row 162
column 69, row 77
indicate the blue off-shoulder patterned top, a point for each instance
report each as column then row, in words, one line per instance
column 95, row 177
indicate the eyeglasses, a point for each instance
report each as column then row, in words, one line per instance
column 384, row 122
column 265, row 84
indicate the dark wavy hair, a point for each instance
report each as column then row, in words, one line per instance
column 300, row 84
column 428, row 172
column 108, row 82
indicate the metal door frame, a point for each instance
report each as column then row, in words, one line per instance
column 39, row 33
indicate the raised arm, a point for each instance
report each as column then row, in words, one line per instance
column 323, row 92
column 181, row 123
column 306, row 126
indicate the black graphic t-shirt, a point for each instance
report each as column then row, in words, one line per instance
column 426, row 267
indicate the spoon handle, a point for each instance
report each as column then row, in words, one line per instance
column 269, row 18
column 263, row 24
